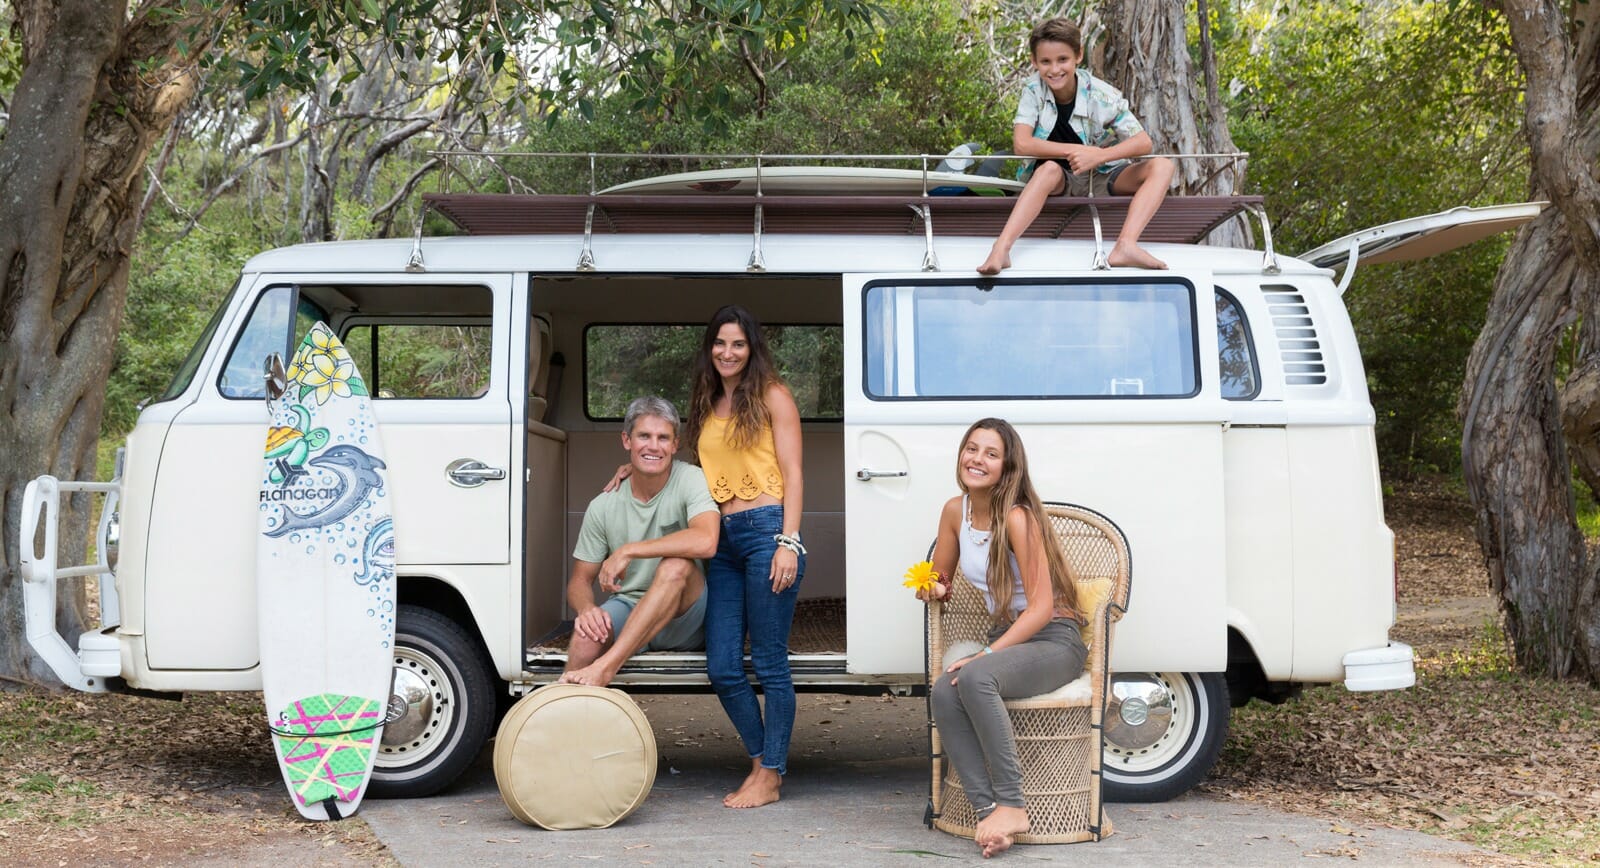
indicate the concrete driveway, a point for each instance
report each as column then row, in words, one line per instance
column 855, row 795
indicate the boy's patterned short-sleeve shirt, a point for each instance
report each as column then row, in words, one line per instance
column 1100, row 115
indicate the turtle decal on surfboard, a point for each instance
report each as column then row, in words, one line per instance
column 325, row 580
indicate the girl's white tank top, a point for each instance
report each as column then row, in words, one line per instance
column 974, row 560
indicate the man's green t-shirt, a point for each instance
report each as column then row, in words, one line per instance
column 617, row 517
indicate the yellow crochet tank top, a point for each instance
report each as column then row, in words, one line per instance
column 732, row 472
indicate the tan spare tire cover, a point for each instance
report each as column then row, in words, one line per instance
column 574, row 757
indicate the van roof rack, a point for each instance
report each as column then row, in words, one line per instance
column 1181, row 219
column 814, row 194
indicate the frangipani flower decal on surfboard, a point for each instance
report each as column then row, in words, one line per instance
column 323, row 368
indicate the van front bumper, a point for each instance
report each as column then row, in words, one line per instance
column 98, row 656
column 1391, row 667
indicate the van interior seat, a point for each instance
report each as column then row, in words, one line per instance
column 539, row 352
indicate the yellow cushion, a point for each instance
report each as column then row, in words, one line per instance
column 1091, row 593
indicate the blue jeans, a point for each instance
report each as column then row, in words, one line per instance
column 739, row 601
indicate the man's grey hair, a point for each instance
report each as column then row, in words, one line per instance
column 651, row 405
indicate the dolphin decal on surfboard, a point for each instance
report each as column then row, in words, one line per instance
column 358, row 477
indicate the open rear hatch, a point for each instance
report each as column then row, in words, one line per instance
column 1420, row 237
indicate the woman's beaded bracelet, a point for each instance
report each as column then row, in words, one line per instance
column 792, row 543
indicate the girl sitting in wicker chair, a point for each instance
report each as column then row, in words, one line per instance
column 995, row 532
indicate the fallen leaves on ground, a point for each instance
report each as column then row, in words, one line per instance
column 1475, row 751
column 123, row 780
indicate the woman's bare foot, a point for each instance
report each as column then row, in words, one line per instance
column 1134, row 256
column 759, row 789
column 997, row 832
column 998, row 261
column 755, row 766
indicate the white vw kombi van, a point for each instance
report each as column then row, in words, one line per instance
column 1217, row 412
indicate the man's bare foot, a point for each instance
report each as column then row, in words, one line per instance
column 596, row 674
column 998, row 261
column 759, row 789
column 1134, row 256
column 997, row 832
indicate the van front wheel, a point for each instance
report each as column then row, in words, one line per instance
column 1163, row 732
column 441, row 707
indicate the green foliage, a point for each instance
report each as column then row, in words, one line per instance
column 654, row 54
column 915, row 84
column 173, row 289
column 1357, row 114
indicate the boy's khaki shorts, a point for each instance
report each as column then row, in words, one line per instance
column 1095, row 183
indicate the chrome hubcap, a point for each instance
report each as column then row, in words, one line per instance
column 418, row 708
column 1141, row 711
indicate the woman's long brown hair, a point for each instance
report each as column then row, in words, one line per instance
column 749, row 409
column 1015, row 488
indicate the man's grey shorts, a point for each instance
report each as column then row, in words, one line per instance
column 683, row 633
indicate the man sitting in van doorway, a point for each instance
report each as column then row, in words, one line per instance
column 641, row 542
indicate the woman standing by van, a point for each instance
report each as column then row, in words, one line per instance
column 744, row 424
column 996, row 532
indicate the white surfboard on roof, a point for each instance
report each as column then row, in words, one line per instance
column 817, row 181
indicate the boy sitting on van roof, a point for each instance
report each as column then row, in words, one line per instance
column 1085, row 132
column 641, row 542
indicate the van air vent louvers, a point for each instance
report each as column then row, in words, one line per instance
column 1298, row 346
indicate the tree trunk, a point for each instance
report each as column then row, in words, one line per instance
column 97, row 92
column 1519, row 434
column 1143, row 49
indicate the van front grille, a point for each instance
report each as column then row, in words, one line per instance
column 1299, row 348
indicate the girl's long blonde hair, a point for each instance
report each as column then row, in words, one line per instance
column 1015, row 488
column 749, row 398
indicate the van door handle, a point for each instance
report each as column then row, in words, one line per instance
column 471, row 473
column 866, row 475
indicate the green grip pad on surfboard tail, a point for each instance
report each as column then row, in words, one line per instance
column 326, row 742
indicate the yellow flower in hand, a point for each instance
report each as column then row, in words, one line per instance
column 922, row 577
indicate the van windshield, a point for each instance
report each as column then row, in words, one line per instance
column 1041, row 339
column 191, row 363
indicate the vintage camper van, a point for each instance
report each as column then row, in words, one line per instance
column 1216, row 411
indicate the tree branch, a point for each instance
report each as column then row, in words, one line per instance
column 228, row 182
column 387, row 211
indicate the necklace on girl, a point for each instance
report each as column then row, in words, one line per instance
column 978, row 537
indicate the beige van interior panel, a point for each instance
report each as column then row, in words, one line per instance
column 544, row 598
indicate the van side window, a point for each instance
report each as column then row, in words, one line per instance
column 267, row 331
column 622, row 361
column 1236, row 352
column 422, row 360
column 1122, row 339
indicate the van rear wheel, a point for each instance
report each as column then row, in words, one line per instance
column 441, row 705
column 1163, row 732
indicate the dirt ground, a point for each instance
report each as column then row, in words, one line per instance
column 1473, row 752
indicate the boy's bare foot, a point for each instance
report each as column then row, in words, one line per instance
column 1134, row 256
column 998, row 261
column 596, row 674
column 997, row 832
column 761, row 788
